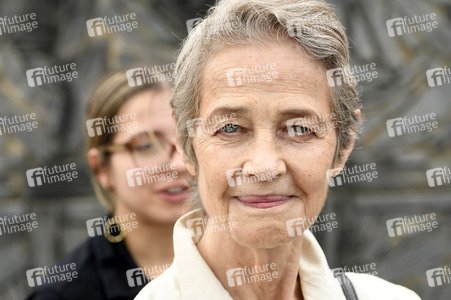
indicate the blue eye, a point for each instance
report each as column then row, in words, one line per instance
column 301, row 130
column 230, row 128
column 143, row 147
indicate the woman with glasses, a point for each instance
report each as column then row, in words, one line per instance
column 139, row 176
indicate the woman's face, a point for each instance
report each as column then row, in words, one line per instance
column 284, row 174
column 156, row 201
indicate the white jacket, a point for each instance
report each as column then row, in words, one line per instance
column 190, row 278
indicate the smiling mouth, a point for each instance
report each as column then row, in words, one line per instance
column 175, row 190
column 263, row 201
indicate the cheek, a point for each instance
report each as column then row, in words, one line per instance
column 120, row 164
column 118, row 169
column 310, row 165
column 212, row 180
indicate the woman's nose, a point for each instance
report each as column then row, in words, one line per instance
column 264, row 156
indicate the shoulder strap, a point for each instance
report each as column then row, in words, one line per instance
column 346, row 285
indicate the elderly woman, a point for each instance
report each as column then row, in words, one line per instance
column 256, row 77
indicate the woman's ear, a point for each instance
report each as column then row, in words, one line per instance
column 346, row 152
column 96, row 162
column 189, row 165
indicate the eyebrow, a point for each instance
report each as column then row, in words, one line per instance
column 297, row 113
column 244, row 111
column 141, row 133
column 224, row 110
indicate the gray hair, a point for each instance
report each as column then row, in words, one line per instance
column 310, row 24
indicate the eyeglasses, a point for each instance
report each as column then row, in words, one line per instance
column 146, row 148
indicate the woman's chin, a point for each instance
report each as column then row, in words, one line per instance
column 261, row 236
column 164, row 218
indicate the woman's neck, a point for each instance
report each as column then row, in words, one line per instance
column 149, row 244
column 277, row 268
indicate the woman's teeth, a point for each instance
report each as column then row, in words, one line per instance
column 175, row 190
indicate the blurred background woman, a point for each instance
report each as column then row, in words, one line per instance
column 139, row 177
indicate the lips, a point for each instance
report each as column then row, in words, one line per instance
column 175, row 193
column 263, row 201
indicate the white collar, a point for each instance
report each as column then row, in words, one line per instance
column 197, row 280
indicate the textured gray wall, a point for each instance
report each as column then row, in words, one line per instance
column 362, row 209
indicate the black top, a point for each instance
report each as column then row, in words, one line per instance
column 101, row 267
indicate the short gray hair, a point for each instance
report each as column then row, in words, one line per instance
column 310, row 24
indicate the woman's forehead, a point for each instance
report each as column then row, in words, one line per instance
column 259, row 74
column 284, row 54
column 148, row 103
column 151, row 112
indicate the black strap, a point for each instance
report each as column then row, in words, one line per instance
column 346, row 285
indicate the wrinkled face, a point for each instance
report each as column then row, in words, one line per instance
column 281, row 166
column 159, row 198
